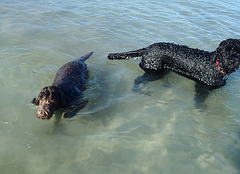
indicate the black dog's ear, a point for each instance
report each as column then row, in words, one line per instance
column 35, row 101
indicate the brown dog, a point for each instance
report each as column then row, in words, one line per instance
column 66, row 90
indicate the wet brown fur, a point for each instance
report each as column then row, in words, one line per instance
column 67, row 88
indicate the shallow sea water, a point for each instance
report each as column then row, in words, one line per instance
column 158, row 129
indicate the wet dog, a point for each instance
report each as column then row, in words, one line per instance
column 67, row 88
column 209, row 68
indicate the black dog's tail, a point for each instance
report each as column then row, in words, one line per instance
column 127, row 55
column 86, row 56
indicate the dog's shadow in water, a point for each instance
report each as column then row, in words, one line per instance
column 70, row 112
column 201, row 91
column 148, row 76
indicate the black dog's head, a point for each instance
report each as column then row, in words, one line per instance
column 48, row 101
column 228, row 55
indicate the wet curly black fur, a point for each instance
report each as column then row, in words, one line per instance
column 209, row 68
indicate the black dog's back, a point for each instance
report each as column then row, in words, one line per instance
column 210, row 68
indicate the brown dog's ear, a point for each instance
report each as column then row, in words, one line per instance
column 35, row 101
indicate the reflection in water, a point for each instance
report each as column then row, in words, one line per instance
column 201, row 91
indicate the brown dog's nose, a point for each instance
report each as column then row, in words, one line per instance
column 43, row 115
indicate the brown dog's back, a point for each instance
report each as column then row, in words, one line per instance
column 67, row 88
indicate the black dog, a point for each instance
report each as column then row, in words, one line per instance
column 66, row 90
column 209, row 68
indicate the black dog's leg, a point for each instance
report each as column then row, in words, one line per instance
column 202, row 92
column 148, row 76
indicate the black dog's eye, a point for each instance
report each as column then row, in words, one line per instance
column 233, row 49
column 229, row 48
column 237, row 49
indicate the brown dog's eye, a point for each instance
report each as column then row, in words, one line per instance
column 35, row 101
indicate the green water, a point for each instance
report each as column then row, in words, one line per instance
column 157, row 130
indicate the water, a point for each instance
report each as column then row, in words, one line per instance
column 157, row 130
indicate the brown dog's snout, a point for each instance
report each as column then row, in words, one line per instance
column 43, row 115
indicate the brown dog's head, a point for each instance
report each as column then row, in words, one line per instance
column 48, row 101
